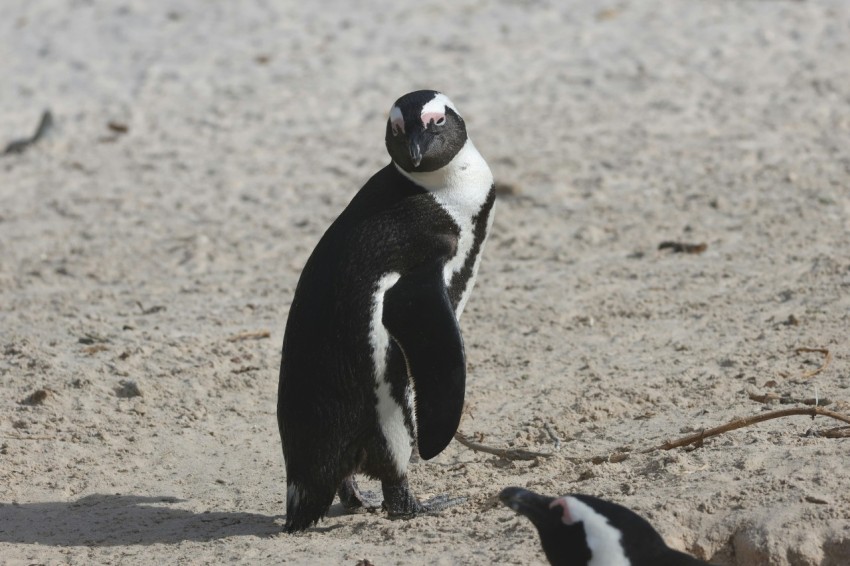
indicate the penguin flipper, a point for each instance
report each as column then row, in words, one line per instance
column 420, row 318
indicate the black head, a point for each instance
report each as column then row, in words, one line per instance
column 575, row 528
column 424, row 131
column 563, row 544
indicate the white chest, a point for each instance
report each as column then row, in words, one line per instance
column 461, row 188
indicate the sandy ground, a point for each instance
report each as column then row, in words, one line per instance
column 138, row 258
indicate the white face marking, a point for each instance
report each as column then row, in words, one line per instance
column 390, row 413
column 438, row 105
column 435, row 110
column 396, row 120
column 602, row 539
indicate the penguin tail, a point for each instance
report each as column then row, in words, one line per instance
column 305, row 506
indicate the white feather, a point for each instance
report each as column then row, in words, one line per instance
column 293, row 495
column 390, row 413
column 439, row 104
column 602, row 539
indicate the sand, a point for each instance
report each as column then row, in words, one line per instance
column 150, row 247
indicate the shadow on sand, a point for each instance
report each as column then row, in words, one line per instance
column 113, row 520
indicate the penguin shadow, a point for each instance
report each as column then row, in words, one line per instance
column 118, row 520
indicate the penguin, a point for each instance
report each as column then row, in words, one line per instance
column 373, row 364
column 580, row 530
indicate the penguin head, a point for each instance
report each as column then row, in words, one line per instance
column 583, row 530
column 563, row 543
column 424, row 131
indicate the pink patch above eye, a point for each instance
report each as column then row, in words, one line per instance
column 436, row 116
column 561, row 502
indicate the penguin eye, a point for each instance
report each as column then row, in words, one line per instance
column 441, row 121
column 398, row 127
column 396, row 121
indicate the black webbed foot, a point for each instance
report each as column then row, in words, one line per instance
column 400, row 503
column 440, row 502
column 353, row 500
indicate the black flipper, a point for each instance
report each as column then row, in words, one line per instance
column 419, row 316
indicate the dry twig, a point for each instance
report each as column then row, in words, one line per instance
column 44, row 126
column 837, row 432
column 554, row 437
column 827, row 360
column 507, row 453
column 683, row 248
column 742, row 422
column 697, row 437
column 788, row 400
column 151, row 310
column 255, row 335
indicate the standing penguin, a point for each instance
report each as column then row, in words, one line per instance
column 373, row 358
column 580, row 530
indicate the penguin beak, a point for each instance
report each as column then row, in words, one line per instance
column 415, row 146
column 528, row 503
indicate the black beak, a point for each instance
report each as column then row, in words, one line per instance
column 528, row 503
column 416, row 146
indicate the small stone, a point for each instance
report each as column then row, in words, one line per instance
column 37, row 397
column 128, row 389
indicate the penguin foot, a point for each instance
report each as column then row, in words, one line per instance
column 440, row 502
column 353, row 500
column 400, row 503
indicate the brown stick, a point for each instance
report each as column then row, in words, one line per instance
column 787, row 400
column 256, row 335
column 508, row 453
column 827, row 360
column 44, row 125
column 837, row 432
column 746, row 421
column 679, row 247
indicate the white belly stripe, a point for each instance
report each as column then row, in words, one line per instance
column 390, row 413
